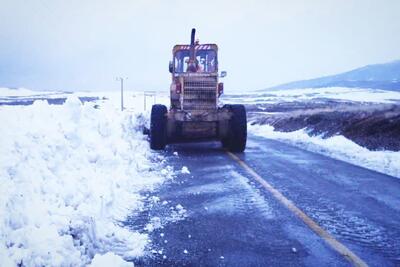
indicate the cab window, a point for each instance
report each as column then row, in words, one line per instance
column 205, row 60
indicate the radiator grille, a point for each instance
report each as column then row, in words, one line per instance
column 199, row 93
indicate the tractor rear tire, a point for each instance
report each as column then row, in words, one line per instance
column 237, row 129
column 158, row 127
column 225, row 143
column 225, row 140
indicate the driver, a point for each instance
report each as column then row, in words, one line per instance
column 192, row 65
column 200, row 67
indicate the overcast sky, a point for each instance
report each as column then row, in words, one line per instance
column 84, row 45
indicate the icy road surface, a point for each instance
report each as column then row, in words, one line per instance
column 230, row 220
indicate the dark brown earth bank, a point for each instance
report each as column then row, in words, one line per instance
column 372, row 125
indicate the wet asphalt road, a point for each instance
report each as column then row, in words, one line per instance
column 230, row 220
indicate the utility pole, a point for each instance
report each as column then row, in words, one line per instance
column 122, row 91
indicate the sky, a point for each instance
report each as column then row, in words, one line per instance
column 84, row 45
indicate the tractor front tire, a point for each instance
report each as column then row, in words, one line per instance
column 158, row 127
column 237, row 129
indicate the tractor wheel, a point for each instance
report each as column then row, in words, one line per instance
column 158, row 127
column 237, row 129
column 225, row 141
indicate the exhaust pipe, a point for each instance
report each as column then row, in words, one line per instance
column 192, row 64
column 192, row 55
column 192, row 36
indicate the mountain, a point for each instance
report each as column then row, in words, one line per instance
column 378, row 76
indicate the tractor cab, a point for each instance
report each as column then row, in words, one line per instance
column 194, row 70
column 204, row 61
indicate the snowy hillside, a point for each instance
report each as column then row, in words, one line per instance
column 69, row 175
column 379, row 76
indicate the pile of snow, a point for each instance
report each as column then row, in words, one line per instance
column 69, row 175
column 337, row 147
column 109, row 259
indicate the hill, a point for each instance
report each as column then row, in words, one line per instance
column 378, row 76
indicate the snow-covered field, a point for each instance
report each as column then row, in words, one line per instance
column 69, row 175
column 337, row 93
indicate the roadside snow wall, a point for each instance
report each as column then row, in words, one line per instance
column 338, row 147
column 69, row 175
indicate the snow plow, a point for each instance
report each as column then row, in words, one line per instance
column 195, row 113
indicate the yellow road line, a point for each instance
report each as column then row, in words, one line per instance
column 336, row 245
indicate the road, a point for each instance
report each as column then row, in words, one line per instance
column 232, row 220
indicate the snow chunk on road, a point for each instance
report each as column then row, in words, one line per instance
column 109, row 259
column 155, row 223
column 338, row 147
column 185, row 170
column 69, row 174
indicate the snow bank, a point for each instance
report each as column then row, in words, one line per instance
column 69, row 175
column 337, row 147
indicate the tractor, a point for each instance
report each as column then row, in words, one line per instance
column 195, row 113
